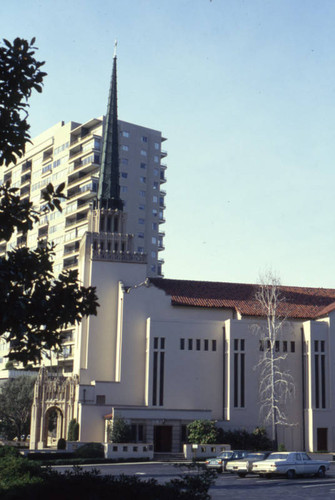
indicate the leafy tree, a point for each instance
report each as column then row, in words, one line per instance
column 35, row 306
column 16, row 398
column 20, row 74
column 202, row 432
column 120, row 431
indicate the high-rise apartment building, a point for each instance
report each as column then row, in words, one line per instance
column 130, row 164
column 71, row 153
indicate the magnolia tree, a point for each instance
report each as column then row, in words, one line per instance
column 276, row 384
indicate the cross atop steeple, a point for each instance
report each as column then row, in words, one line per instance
column 109, row 187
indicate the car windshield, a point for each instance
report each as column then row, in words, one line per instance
column 255, row 455
column 278, row 456
column 226, row 454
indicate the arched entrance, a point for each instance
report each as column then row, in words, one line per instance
column 55, row 405
column 53, row 427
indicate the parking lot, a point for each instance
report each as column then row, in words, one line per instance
column 231, row 486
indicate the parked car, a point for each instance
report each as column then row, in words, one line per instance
column 244, row 466
column 219, row 463
column 290, row 464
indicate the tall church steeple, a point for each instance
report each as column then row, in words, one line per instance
column 109, row 186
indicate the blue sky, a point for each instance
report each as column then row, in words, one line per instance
column 243, row 90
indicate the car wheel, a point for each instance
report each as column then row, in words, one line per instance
column 241, row 474
column 290, row 474
column 268, row 476
column 321, row 472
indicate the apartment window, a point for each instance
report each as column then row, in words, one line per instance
column 155, row 211
column 142, row 193
column 213, row 345
column 261, row 345
column 153, row 240
column 140, row 235
column 156, row 185
column 144, row 139
column 206, row 344
column 123, row 189
column 155, row 342
column 284, row 345
column 140, row 249
column 190, row 344
column 153, row 268
column 293, row 346
column 125, row 148
column 155, row 199
column 198, row 344
column 125, row 133
column 182, row 344
column 156, row 172
column 124, row 175
column 124, row 161
column 157, row 145
column 153, row 254
column 156, row 159
column 143, row 165
column 143, row 152
column 277, row 345
column 100, row 399
column 141, row 206
column 143, row 180
column 141, row 221
column 155, row 226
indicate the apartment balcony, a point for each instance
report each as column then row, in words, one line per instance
column 70, row 262
column 72, row 221
column 163, row 153
column 25, row 179
column 162, row 177
column 25, row 191
column 26, row 166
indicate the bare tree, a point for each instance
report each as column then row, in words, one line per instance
column 276, row 384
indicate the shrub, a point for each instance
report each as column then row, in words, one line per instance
column 202, row 432
column 120, row 431
column 90, row 450
column 73, row 432
column 61, row 444
column 241, row 439
column 8, row 451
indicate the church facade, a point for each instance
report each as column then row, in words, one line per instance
column 162, row 353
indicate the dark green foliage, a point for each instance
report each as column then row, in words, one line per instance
column 90, row 450
column 240, row 439
column 202, row 432
column 16, row 471
column 73, row 431
column 20, row 74
column 31, row 482
column 120, row 431
column 61, row 444
column 16, row 398
column 8, row 451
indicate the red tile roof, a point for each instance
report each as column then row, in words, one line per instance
column 299, row 302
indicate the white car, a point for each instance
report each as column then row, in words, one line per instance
column 290, row 464
column 244, row 466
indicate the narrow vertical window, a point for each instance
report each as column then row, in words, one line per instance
column 235, row 380
column 182, row 344
column 190, row 344
column 154, row 382
column 198, row 343
column 213, row 345
column 206, row 345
